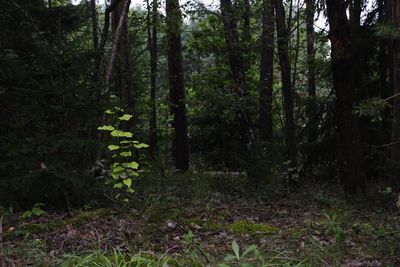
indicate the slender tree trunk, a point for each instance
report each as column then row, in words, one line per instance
column 237, row 68
column 96, row 47
column 266, row 70
column 395, row 151
column 123, row 65
column 176, row 84
column 116, row 40
column 344, row 84
column 283, row 52
column 311, row 106
column 152, row 38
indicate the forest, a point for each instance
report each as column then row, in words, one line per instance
column 199, row 133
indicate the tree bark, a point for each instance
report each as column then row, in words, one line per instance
column 343, row 72
column 123, row 65
column 237, row 67
column 116, row 40
column 311, row 106
column 395, row 151
column 176, row 85
column 266, row 70
column 152, row 39
column 287, row 91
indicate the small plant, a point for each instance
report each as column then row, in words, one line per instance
column 122, row 168
column 332, row 227
column 249, row 254
column 36, row 211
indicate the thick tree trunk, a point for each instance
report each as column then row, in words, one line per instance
column 237, row 68
column 395, row 151
column 343, row 71
column 311, row 106
column 176, row 85
column 287, row 91
column 266, row 70
column 152, row 38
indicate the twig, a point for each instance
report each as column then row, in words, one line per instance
column 389, row 144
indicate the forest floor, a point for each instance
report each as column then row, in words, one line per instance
column 208, row 221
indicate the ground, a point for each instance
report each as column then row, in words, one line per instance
column 199, row 220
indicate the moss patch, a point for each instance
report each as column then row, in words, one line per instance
column 243, row 227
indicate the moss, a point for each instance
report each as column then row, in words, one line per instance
column 80, row 218
column 245, row 227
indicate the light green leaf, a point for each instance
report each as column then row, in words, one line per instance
column 130, row 190
column 132, row 165
column 132, row 173
column 126, row 142
column 141, row 145
column 118, row 185
column 113, row 147
column 127, row 182
column 125, row 117
column 126, row 154
column 110, row 112
column 236, row 249
column 118, row 133
column 106, row 128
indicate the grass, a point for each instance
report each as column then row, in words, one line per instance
column 189, row 221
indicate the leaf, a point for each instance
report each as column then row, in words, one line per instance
column 125, row 117
column 118, row 185
column 110, row 112
column 132, row 165
column 106, row 128
column 250, row 249
column 127, row 182
column 125, row 154
column 118, row 133
column 132, row 173
column 141, row 145
column 236, row 249
column 118, row 170
column 113, row 147
column 126, row 142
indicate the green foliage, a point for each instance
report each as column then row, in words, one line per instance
column 372, row 108
column 36, row 211
column 244, row 259
column 122, row 168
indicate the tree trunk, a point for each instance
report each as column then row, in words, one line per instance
column 266, row 70
column 311, row 106
column 237, row 68
column 96, row 47
column 116, row 40
column 343, row 71
column 395, row 151
column 123, row 64
column 287, row 91
column 152, row 38
column 176, row 85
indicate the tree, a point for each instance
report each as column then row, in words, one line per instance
column 237, row 68
column 123, row 65
column 266, row 70
column 311, row 107
column 152, row 43
column 343, row 73
column 176, row 85
column 394, row 7
column 287, row 91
